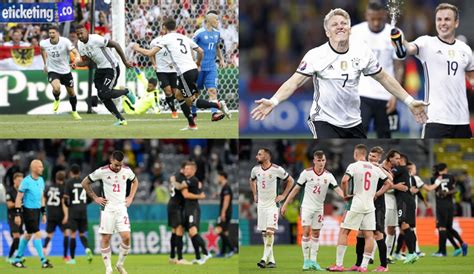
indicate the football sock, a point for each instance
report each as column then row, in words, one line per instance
column 46, row 241
column 225, row 243
column 456, row 235
column 187, row 112
column 400, row 240
column 341, row 250
column 65, row 245
column 39, row 248
column 360, row 250
column 56, row 96
column 106, row 257
column 73, row 102
column 84, row 242
column 196, row 246
column 173, row 245
column 14, row 246
column 306, row 246
column 21, row 248
column 118, row 92
column 179, row 246
column 123, row 252
column 314, row 249
column 170, row 102
column 382, row 252
column 109, row 104
column 410, row 240
column 201, row 103
column 72, row 248
column 443, row 234
column 389, row 241
column 365, row 260
column 268, row 246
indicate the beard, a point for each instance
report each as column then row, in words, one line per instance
column 259, row 162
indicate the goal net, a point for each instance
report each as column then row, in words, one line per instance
column 143, row 19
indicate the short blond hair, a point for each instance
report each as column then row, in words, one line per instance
column 446, row 6
column 334, row 12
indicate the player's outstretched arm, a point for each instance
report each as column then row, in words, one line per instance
column 339, row 192
column 200, row 55
column 146, row 52
column 265, row 106
column 77, row 57
column 410, row 47
column 386, row 186
column 118, row 48
column 391, row 85
column 82, row 61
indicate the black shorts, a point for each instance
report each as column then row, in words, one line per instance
column 167, row 79
column 192, row 216
column 435, row 130
column 51, row 225
column 323, row 130
column 380, row 219
column 77, row 224
column 175, row 216
column 224, row 224
column 64, row 79
column 106, row 79
column 15, row 228
column 444, row 215
column 376, row 110
column 406, row 211
column 31, row 218
column 187, row 83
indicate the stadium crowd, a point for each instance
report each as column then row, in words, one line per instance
column 153, row 161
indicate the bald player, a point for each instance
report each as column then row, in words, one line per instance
column 30, row 194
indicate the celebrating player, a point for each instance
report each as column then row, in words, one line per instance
column 316, row 181
column 94, row 47
column 176, row 217
column 446, row 62
column 225, row 214
column 15, row 230
column 114, row 204
column 363, row 177
column 336, row 67
column 445, row 211
column 179, row 48
column 376, row 104
column 56, row 212
column 75, row 198
column 263, row 182
column 55, row 52
column 30, row 198
column 208, row 38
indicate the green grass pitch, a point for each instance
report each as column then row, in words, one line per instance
column 289, row 259
column 101, row 126
column 141, row 264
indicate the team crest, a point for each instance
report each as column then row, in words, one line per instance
column 344, row 65
column 302, row 65
column 355, row 63
column 270, row 176
column 325, row 181
column 451, row 53
column 23, row 57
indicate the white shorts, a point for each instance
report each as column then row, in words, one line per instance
column 114, row 221
column 313, row 218
column 391, row 217
column 267, row 218
column 359, row 221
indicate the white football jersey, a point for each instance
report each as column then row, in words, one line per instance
column 336, row 78
column 363, row 185
column 163, row 61
column 315, row 188
column 444, row 67
column 381, row 45
column 96, row 49
column 180, row 48
column 267, row 183
column 57, row 55
column 114, row 185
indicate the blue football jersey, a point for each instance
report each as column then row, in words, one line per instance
column 208, row 41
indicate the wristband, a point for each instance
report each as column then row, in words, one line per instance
column 408, row 100
column 274, row 101
column 43, row 210
column 17, row 211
